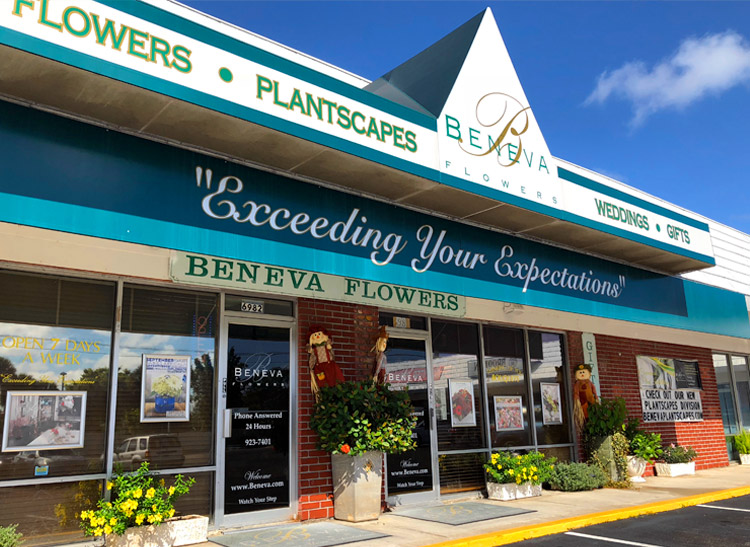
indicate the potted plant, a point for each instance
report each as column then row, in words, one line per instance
column 166, row 388
column 357, row 422
column 141, row 512
column 742, row 444
column 511, row 476
column 645, row 448
column 604, row 438
column 676, row 460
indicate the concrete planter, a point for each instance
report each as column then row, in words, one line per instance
column 674, row 469
column 636, row 468
column 357, row 483
column 745, row 459
column 172, row 533
column 511, row 491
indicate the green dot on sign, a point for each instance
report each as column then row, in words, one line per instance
column 225, row 74
column 658, row 228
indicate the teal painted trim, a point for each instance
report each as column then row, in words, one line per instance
column 146, row 81
column 560, row 214
column 618, row 194
column 164, row 18
column 710, row 310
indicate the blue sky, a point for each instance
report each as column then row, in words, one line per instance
column 654, row 94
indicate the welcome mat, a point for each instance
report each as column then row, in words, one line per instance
column 317, row 534
column 459, row 513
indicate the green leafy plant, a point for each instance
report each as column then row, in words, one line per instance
column 575, row 477
column 646, row 446
column 678, row 454
column 139, row 498
column 742, row 442
column 506, row 467
column 606, row 417
column 356, row 417
column 9, row 537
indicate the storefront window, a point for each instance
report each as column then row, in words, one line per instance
column 742, row 380
column 55, row 337
column 547, row 384
column 726, row 394
column 166, row 418
column 506, row 387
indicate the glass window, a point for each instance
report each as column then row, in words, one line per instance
column 742, row 379
column 507, row 399
column 55, row 337
column 174, row 323
column 547, row 384
column 726, row 394
column 458, row 392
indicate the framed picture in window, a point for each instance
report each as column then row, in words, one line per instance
column 508, row 413
column 165, row 388
column 44, row 420
column 462, row 403
column 551, row 404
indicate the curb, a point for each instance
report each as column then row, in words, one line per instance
column 521, row 533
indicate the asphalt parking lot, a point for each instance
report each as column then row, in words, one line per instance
column 723, row 523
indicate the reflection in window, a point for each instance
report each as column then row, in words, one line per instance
column 506, row 387
column 55, row 350
column 547, row 375
column 176, row 323
column 739, row 367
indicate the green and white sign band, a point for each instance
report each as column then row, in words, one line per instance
column 211, row 271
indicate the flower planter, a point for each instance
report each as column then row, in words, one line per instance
column 745, row 459
column 357, row 482
column 674, row 469
column 511, row 491
column 171, row 533
column 636, row 468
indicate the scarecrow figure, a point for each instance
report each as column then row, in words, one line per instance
column 323, row 368
column 378, row 369
column 584, row 394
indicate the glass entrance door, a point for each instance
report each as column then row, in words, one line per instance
column 256, row 442
column 410, row 477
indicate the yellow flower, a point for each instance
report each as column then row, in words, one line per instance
column 150, row 493
column 151, row 519
column 171, row 490
column 113, row 521
column 110, row 484
column 533, row 468
column 139, row 518
column 97, row 531
column 153, row 507
column 171, row 513
column 107, row 529
column 137, row 493
column 518, row 480
column 511, row 472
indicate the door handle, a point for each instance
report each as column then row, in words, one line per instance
column 227, row 423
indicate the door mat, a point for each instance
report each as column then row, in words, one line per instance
column 459, row 513
column 317, row 534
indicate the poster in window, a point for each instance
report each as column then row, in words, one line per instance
column 44, row 420
column 551, row 405
column 165, row 388
column 508, row 413
column 462, row 403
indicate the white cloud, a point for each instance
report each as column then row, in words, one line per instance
column 701, row 66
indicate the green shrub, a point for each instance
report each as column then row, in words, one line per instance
column 742, row 442
column 356, row 417
column 606, row 417
column 574, row 477
column 646, row 446
column 678, row 454
column 9, row 537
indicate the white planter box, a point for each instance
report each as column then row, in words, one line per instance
column 172, row 533
column 512, row 491
column 745, row 459
column 675, row 469
column 357, row 483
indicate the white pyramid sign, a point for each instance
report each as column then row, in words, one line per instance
column 487, row 132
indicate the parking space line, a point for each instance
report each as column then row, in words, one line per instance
column 610, row 540
column 725, row 508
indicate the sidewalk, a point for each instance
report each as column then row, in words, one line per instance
column 555, row 512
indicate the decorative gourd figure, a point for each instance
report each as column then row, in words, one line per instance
column 584, row 394
column 323, row 368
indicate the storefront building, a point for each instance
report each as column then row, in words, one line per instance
column 182, row 201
